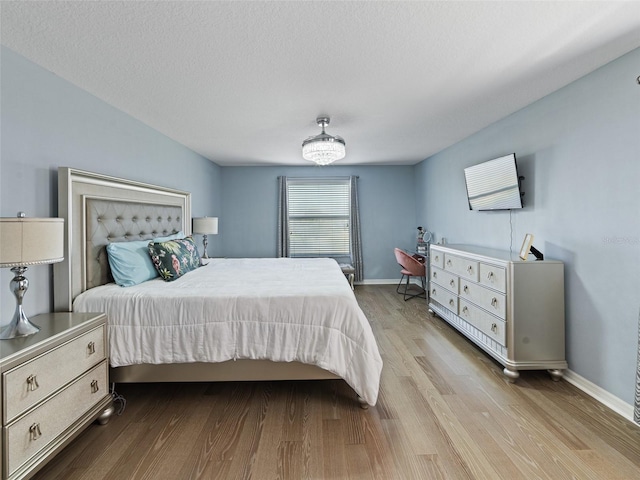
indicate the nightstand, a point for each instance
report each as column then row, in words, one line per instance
column 53, row 385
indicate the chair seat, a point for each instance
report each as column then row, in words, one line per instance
column 347, row 268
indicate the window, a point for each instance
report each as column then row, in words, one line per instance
column 319, row 217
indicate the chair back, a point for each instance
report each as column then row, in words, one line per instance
column 409, row 263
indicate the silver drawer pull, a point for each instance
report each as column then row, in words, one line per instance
column 91, row 348
column 490, row 276
column 465, row 310
column 452, row 283
column 494, row 328
column 94, row 386
column 451, row 302
column 449, row 262
column 34, row 431
column 437, row 258
column 469, row 269
column 466, row 289
column 435, row 275
column 494, row 302
column 433, row 292
column 32, row 383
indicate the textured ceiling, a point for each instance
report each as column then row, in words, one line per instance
column 242, row 82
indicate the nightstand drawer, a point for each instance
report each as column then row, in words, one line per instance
column 26, row 385
column 33, row 432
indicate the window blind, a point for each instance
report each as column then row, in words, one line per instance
column 319, row 211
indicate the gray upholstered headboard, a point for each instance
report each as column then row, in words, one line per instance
column 110, row 221
column 99, row 209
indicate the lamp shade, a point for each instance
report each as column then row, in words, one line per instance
column 31, row 241
column 205, row 225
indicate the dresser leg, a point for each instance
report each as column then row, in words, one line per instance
column 105, row 416
column 512, row 375
column 556, row 374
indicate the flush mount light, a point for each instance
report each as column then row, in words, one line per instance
column 323, row 149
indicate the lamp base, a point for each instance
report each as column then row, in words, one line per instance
column 20, row 326
column 205, row 243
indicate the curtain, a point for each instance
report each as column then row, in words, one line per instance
column 636, row 410
column 356, row 241
column 282, row 243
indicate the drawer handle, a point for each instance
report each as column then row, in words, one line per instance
column 494, row 327
column 451, row 302
column 466, row 289
column 32, row 383
column 433, row 291
column 91, row 348
column 449, row 262
column 465, row 310
column 34, row 431
column 470, row 270
column 494, row 302
column 437, row 258
column 94, row 386
column 435, row 275
column 452, row 283
column 490, row 276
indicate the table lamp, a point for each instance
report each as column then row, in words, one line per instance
column 205, row 226
column 24, row 242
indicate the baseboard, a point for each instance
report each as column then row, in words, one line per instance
column 385, row 281
column 378, row 281
column 607, row 399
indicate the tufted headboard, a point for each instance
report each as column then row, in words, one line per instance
column 99, row 209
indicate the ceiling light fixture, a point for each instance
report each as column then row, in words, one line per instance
column 323, row 149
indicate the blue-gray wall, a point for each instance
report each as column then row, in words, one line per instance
column 579, row 149
column 387, row 211
column 46, row 122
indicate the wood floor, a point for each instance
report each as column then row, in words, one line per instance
column 444, row 412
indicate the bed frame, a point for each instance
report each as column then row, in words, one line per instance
column 99, row 209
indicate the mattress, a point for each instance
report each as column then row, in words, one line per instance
column 279, row 309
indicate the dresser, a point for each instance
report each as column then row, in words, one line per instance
column 510, row 308
column 53, row 384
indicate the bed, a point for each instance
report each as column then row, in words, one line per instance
column 230, row 320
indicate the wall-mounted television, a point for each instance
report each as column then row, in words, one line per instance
column 494, row 185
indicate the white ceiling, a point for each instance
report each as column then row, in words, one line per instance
column 242, row 82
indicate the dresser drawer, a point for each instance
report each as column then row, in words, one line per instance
column 26, row 385
column 490, row 300
column 493, row 276
column 445, row 298
column 461, row 266
column 33, row 432
column 437, row 258
column 445, row 279
column 491, row 326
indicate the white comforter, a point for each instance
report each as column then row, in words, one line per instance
column 279, row 309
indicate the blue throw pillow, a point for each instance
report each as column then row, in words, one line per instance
column 130, row 263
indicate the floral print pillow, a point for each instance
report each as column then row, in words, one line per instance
column 174, row 258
